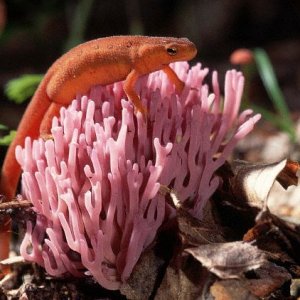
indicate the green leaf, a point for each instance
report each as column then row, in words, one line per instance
column 22, row 88
column 3, row 127
column 268, row 77
column 7, row 139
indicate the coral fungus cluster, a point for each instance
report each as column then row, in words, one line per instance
column 95, row 184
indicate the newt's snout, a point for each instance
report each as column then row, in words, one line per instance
column 192, row 50
column 189, row 49
column 180, row 49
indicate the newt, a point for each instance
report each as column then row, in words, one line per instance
column 97, row 62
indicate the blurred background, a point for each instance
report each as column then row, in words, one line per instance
column 34, row 33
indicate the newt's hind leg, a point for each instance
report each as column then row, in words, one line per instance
column 5, row 236
column 9, row 182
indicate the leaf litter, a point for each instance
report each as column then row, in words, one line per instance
column 239, row 250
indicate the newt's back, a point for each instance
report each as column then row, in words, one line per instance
column 110, row 59
column 101, row 61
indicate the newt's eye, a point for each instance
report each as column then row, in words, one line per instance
column 172, row 51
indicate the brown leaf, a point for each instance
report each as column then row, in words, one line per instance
column 191, row 230
column 288, row 176
column 228, row 260
column 196, row 232
column 268, row 278
column 141, row 283
column 245, row 191
column 261, row 282
column 14, row 260
column 295, row 287
column 187, row 281
column 275, row 235
column 231, row 289
column 253, row 182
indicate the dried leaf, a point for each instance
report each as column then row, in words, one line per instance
column 243, row 195
column 231, row 289
column 14, row 260
column 187, row 281
column 228, row 260
column 191, row 230
column 254, row 181
column 261, row 282
column 275, row 235
column 268, row 278
column 196, row 232
column 295, row 288
column 288, row 176
column 141, row 283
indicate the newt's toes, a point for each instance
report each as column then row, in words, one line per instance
column 143, row 110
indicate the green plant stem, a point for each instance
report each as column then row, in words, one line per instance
column 271, row 85
column 78, row 23
column 274, row 119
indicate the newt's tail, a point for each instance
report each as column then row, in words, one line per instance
column 10, row 173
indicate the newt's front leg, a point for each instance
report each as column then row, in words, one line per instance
column 179, row 85
column 129, row 89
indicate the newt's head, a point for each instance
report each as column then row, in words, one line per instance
column 156, row 52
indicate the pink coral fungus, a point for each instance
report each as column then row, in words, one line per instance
column 95, row 184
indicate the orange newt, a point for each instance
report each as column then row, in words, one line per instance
column 98, row 62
